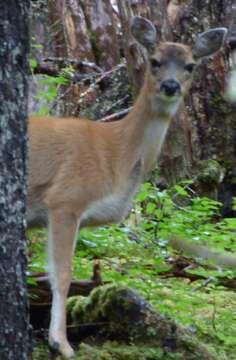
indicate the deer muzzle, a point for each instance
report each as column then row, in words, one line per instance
column 170, row 87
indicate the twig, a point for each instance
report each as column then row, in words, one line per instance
column 52, row 67
column 179, row 270
column 118, row 102
column 116, row 116
column 204, row 284
column 97, row 81
column 46, row 69
column 75, row 63
column 95, row 324
column 41, row 290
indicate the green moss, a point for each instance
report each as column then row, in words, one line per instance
column 41, row 352
column 116, row 351
column 131, row 320
column 221, row 106
column 211, row 171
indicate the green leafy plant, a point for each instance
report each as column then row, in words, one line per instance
column 48, row 86
column 137, row 253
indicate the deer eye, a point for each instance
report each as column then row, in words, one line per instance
column 155, row 63
column 190, row 67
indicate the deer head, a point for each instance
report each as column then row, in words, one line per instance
column 170, row 66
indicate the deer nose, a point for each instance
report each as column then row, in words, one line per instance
column 170, row 87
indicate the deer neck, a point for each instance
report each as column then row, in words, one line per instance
column 145, row 128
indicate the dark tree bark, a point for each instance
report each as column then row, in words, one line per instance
column 207, row 124
column 102, row 29
column 14, row 47
column 85, row 30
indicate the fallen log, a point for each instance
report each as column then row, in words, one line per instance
column 116, row 313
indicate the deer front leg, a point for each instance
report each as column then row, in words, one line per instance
column 62, row 231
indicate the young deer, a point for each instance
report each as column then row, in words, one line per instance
column 83, row 173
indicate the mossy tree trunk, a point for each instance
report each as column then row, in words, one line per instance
column 14, row 47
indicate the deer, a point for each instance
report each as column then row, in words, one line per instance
column 85, row 173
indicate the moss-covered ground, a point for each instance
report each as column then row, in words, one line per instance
column 137, row 254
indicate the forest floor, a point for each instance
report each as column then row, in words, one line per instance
column 197, row 294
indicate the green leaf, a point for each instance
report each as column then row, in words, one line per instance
column 150, row 208
column 180, row 190
column 33, row 63
column 231, row 223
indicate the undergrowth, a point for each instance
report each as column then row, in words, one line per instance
column 137, row 253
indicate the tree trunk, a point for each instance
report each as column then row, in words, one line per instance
column 14, row 47
column 85, row 30
column 101, row 27
column 209, row 121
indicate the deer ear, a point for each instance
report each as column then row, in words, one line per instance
column 209, row 42
column 144, row 32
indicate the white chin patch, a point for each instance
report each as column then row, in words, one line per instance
column 166, row 105
column 169, row 99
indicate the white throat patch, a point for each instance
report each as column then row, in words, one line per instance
column 161, row 105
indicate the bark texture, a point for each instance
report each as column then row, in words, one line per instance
column 85, row 30
column 208, row 132
column 14, row 339
column 102, row 31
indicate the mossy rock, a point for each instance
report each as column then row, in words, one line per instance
column 120, row 314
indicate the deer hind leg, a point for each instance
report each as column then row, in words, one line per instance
column 62, row 231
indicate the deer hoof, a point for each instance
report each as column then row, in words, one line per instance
column 62, row 348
